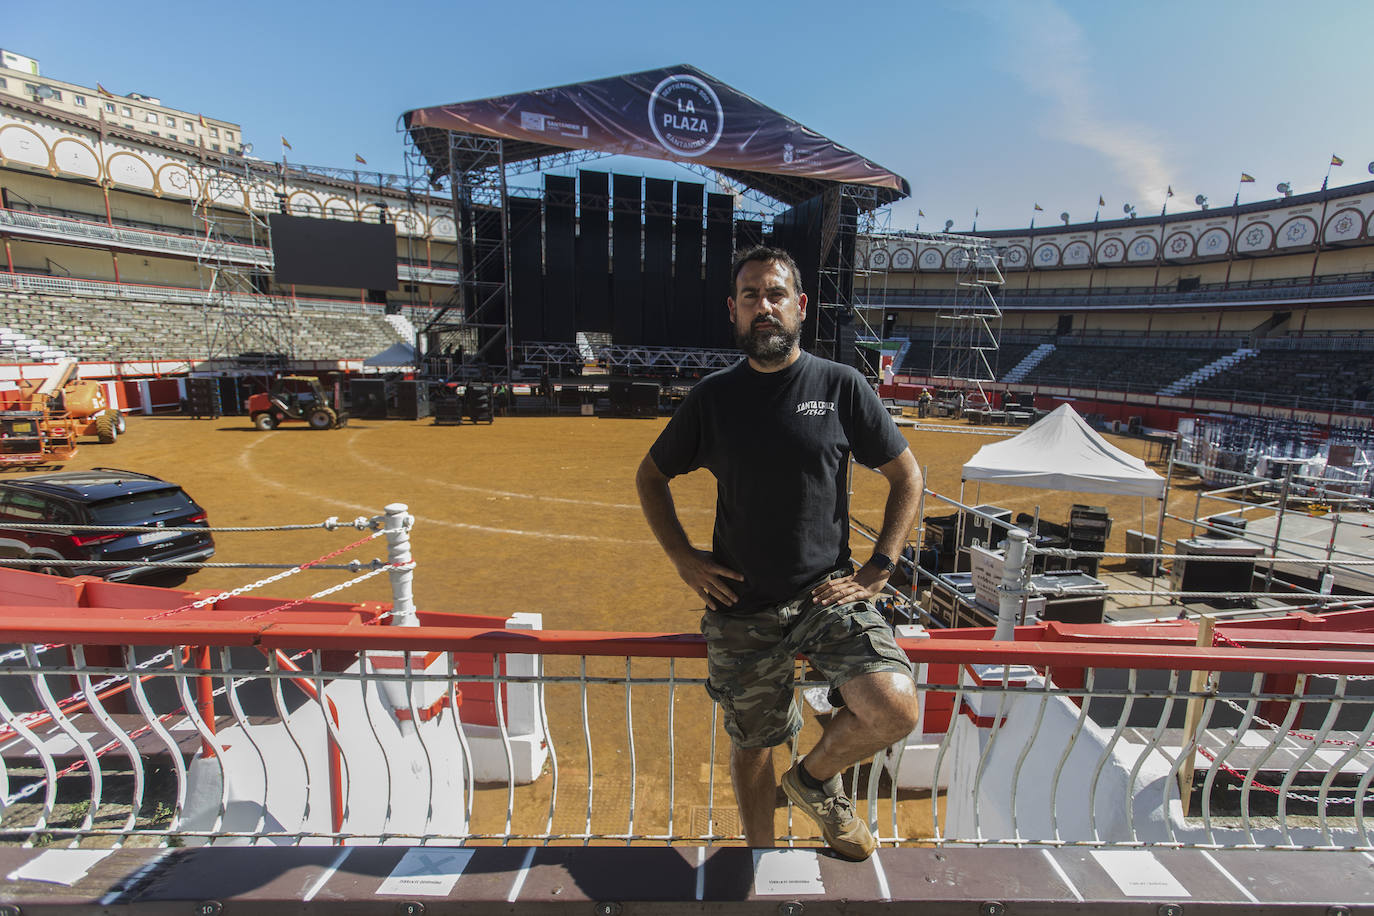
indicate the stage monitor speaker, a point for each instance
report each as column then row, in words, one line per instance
column 202, row 397
column 412, row 400
column 367, row 398
column 644, row 399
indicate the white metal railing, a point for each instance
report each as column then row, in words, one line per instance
column 40, row 283
column 37, row 225
column 609, row 748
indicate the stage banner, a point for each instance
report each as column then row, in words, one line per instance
column 675, row 113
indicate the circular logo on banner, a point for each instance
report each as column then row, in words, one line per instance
column 685, row 115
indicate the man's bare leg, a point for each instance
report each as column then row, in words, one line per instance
column 879, row 709
column 756, row 789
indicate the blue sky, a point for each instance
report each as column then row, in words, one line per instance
column 983, row 106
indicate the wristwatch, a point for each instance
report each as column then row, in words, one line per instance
column 882, row 561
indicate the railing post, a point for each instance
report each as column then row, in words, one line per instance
column 1015, row 576
column 205, row 698
column 397, row 528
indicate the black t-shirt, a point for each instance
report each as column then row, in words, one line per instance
column 778, row 444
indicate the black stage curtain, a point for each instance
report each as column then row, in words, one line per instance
column 560, row 195
column 593, row 252
column 715, row 323
column 526, row 280
column 627, row 278
column 658, row 259
column 748, row 234
column 684, row 321
column 798, row 231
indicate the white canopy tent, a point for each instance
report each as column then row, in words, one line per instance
column 397, row 356
column 1061, row 452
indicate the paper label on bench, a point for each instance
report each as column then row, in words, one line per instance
column 787, row 871
column 1138, row 873
column 426, row 872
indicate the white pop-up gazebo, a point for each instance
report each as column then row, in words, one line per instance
column 1061, row 452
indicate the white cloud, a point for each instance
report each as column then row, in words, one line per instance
column 1049, row 53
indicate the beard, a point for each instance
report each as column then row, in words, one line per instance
column 768, row 341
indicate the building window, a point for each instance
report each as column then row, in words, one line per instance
column 188, row 126
column 151, row 117
column 4, row 83
column 214, row 132
column 56, row 94
column 229, row 135
column 126, row 111
column 109, row 106
column 79, row 100
column 171, row 121
column 153, row 132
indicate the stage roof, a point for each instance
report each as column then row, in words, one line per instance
column 675, row 113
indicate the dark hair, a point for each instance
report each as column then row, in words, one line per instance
column 764, row 253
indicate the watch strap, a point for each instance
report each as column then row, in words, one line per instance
column 882, row 561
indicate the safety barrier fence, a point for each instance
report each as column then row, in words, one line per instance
column 305, row 725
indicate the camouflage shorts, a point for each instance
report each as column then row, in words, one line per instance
column 751, row 659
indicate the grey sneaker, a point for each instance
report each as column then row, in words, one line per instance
column 833, row 812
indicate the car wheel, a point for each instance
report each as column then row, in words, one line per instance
column 321, row 418
column 50, row 570
column 264, row 421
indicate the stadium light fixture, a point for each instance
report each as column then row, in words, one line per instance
column 1284, row 188
column 1129, row 210
column 246, row 149
column 1201, row 201
column 1065, row 217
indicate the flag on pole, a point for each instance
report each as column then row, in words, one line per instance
column 920, row 212
column 1170, row 192
column 1040, row 208
column 103, row 91
column 1100, row 201
column 202, row 120
column 284, row 143
column 357, row 158
column 1245, row 177
column 1337, row 160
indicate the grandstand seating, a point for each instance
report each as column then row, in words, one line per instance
column 1307, row 374
column 1120, row 366
column 44, row 327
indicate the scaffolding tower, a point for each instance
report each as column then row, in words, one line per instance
column 245, row 324
column 968, row 329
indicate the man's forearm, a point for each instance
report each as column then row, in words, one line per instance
column 899, row 511
column 656, row 502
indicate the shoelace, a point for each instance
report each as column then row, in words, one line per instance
column 837, row 807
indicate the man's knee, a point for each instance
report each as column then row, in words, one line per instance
column 886, row 701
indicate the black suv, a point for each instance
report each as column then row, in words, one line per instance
column 102, row 496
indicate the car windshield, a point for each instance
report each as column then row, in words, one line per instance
column 138, row 508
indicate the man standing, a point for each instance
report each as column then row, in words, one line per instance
column 776, row 430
